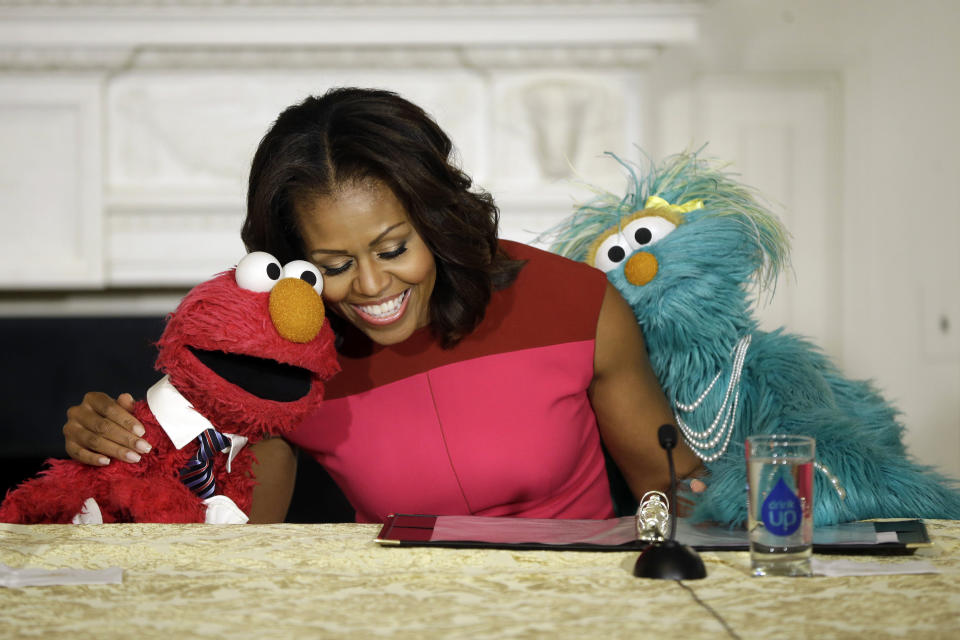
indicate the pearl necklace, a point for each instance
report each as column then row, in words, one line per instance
column 701, row 442
column 721, row 429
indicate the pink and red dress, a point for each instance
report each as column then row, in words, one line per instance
column 499, row 425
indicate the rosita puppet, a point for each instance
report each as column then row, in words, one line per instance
column 687, row 246
column 245, row 355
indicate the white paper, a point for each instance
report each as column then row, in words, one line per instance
column 838, row 567
column 11, row 577
column 887, row 536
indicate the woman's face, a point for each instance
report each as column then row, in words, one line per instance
column 377, row 272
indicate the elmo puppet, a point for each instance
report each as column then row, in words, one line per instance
column 245, row 355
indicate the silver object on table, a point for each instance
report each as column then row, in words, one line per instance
column 653, row 517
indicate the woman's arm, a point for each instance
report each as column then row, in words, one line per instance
column 276, row 473
column 629, row 404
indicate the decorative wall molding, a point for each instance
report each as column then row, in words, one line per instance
column 51, row 182
column 309, row 4
column 558, row 57
column 185, row 23
column 172, row 248
column 43, row 59
column 177, row 93
column 225, row 58
column 39, row 6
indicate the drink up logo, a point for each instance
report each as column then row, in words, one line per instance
column 781, row 511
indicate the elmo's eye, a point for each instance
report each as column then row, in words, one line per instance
column 304, row 271
column 646, row 231
column 611, row 252
column 258, row 271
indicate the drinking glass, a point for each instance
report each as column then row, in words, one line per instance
column 780, row 504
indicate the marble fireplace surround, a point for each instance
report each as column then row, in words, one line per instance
column 128, row 125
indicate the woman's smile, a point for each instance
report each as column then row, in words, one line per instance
column 386, row 312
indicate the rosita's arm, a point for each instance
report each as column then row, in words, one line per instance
column 629, row 404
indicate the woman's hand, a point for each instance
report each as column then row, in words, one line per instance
column 685, row 502
column 101, row 428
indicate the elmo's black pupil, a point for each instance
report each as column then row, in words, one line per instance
column 616, row 254
column 309, row 277
column 273, row 271
column 643, row 235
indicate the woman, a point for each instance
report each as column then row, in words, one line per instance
column 478, row 376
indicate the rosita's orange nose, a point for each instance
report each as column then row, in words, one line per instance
column 641, row 268
column 296, row 310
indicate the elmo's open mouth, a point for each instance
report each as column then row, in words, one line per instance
column 263, row 378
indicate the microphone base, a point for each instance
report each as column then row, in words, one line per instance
column 669, row 560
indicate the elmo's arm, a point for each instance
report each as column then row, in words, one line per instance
column 629, row 403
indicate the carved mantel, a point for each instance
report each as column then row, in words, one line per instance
column 128, row 125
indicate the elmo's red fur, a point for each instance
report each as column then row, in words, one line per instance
column 216, row 316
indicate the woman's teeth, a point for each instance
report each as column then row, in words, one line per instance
column 384, row 309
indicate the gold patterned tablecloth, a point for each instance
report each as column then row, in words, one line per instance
column 316, row 581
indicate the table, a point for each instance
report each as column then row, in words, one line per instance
column 332, row 580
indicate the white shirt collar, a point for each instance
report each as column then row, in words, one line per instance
column 180, row 421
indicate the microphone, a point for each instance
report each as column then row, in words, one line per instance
column 667, row 435
column 668, row 559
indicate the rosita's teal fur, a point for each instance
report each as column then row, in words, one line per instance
column 697, row 307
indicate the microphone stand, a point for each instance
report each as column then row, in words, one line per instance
column 668, row 559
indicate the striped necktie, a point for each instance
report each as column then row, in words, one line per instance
column 197, row 474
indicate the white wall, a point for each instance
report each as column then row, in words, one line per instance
column 898, row 222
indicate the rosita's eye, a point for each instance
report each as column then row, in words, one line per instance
column 303, row 270
column 258, row 271
column 646, row 231
column 611, row 252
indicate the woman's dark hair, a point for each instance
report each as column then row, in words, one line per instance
column 351, row 135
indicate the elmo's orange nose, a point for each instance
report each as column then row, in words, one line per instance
column 296, row 310
column 641, row 268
